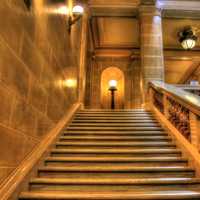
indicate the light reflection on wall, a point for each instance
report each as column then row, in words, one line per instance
column 70, row 83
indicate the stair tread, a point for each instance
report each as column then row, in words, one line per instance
column 92, row 137
column 152, row 124
column 116, row 150
column 116, row 159
column 116, row 181
column 116, row 168
column 153, row 195
column 115, row 143
column 112, row 121
column 121, row 132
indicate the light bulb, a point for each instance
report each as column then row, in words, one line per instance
column 78, row 10
column 112, row 83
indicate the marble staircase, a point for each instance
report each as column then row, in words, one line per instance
column 114, row 155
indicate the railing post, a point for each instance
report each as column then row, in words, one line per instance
column 194, row 127
column 166, row 106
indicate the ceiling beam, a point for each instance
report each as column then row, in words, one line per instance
column 182, row 55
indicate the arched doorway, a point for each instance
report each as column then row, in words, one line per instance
column 112, row 73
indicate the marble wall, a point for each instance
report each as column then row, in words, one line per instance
column 36, row 55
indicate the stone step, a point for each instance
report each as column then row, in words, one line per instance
column 146, row 117
column 186, row 194
column 117, row 164
column 113, row 121
column 110, row 139
column 120, row 133
column 94, row 175
column 116, row 153
column 123, row 125
column 116, row 169
column 104, row 145
column 113, row 111
column 124, row 129
column 119, row 161
column 120, row 114
column 115, row 184
column 115, row 159
column 116, row 181
column 58, row 153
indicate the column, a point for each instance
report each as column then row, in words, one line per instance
column 152, row 61
column 83, row 54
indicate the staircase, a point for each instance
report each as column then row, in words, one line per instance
column 114, row 155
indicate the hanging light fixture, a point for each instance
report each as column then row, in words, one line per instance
column 188, row 38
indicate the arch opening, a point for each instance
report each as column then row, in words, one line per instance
column 112, row 73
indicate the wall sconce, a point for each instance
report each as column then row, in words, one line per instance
column 77, row 12
column 188, row 38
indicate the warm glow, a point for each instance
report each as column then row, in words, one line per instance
column 112, row 76
column 188, row 43
column 77, row 10
column 70, row 83
column 112, row 84
column 63, row 10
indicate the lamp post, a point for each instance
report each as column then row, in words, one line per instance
column 112, row 89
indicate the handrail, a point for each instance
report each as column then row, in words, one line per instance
column 179, row 112
column 17, row 177
column 191, row 101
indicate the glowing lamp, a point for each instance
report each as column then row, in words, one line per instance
column 78, row 10
column 188, row 38
column 112, row 84
column 188, row 43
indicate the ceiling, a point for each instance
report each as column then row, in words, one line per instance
column 115, row 25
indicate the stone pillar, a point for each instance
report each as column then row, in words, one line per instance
column 83, row 54
column 152, row 61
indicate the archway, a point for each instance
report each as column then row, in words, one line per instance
column 112, row 73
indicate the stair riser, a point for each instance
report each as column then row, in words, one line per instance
column 113, row 121
column 113, row 140
column 117, row 133
column 115, row 125
column 104, row 148
column 131, row 164
column 114, row 155
column 116, row 175
column 115, row 114
column 122, row 129
column 121, row 188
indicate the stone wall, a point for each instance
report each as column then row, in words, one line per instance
column 36, row 55
column 132, row 75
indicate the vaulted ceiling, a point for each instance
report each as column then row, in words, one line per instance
column 115, row 25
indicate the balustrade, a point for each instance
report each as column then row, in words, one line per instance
column 181, row 108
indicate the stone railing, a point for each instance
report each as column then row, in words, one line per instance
column 195, row 89
column 179, row 107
